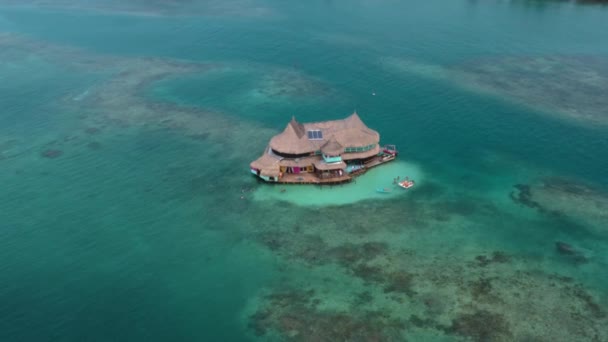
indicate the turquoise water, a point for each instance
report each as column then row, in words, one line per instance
column 127, row 212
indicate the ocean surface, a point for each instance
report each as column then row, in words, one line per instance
column 127, row 211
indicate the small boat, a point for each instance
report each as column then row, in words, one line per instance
column 406, row 184
column 384, row 190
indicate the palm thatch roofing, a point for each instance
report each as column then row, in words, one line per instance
column 268, row 165
column 349, row 132
column 332, row 147
column 323, row 166
column 299, row 162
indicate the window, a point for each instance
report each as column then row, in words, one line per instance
column 359, row 149
column 315, row 135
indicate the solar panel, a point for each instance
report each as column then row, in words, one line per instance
column 314, row 135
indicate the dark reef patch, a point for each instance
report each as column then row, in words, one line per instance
column 295, row 316
column 480, row 326
column 348, row 254
column 199, row 137
column 425, row 323
column 434, row 304
column 401, row 282
column 363, row 298
column 369, row 274
column 523, row 196
column 481, row 289
column 92, row 130
column 94, row 145
column 569, row 251
column 309, row 248
column 592, row 306
column 567, row 186
column 498, row 257
column 393, row 282
column 51, row 153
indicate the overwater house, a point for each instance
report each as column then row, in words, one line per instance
column 322, row 152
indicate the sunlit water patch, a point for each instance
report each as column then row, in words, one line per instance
column 362, row 188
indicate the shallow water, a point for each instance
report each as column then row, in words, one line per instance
column 127, row 211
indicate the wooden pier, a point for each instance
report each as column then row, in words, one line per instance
column 313, row 178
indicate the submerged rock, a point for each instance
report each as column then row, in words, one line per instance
column 564, row 248
column 523, row 196
column 568, row 250
column 92, row 130
column 52, row 153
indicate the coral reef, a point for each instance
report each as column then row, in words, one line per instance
column 581, row 203
column 569, row 87
column 349, row 254
column 399, row 281
column 497, row 257
column 480, row 298
column 481, row 326
column 523, row 196
column 309, row 248
column 289, row 83
column 295, row 316
column 481, row 288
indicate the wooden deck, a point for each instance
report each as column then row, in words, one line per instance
column 311, row 178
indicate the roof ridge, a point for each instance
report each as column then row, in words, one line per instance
column 297, row 127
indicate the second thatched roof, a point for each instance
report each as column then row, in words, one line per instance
column 336, row 135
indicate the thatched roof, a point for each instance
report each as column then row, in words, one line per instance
column 267, row 164
column 332, row 147
column 300, row 162
column 349, row 132
column 321, row 165
column 297, row 127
